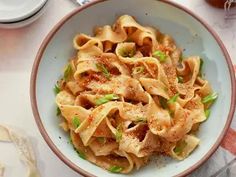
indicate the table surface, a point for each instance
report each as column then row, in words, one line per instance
column 18, row 48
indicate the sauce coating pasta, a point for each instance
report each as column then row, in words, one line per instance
column 129, row 94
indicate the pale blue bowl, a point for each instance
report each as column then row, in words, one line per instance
column 190, row 33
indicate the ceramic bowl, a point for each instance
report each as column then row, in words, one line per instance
column 190, row 32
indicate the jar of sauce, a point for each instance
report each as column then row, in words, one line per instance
column 217, row 3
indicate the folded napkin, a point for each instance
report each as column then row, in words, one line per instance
column 24, row 147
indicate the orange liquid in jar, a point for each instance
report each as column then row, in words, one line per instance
column 217, row 3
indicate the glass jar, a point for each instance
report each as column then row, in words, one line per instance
column 217, row 3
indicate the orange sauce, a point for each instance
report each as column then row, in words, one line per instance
column 217, row 3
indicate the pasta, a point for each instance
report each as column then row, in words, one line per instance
column 128, row 94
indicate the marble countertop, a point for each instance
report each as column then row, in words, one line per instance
column 18, row 48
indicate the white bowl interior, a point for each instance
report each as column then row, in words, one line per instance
column 189, row 35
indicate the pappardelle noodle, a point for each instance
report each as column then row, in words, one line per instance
column 130, row 94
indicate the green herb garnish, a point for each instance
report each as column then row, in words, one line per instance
column 56, row 89
column 161, row 55
column 180, row 79
column 130, row 53
column 181, row 58
column 172, row 113
column 103, row 69
column 76, row 122
column 180, row 147
column 70, row 140
column 68, row 72
column 210, row 98
column 58, row 111
column 163, row 102
column 129, row 39
column 106, row 98
column 173, row 99
column 118, row 134
column 140, row 119
column 111, row 97
column 201, row 65
column 101, row 140
column 138, row 70
column 207, row 113
column 80, row 154
column 115, row 169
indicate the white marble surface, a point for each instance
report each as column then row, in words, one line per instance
column 18, row 48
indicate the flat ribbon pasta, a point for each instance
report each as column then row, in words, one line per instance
column 190, row 144
column 131, row 94
column 123, row 160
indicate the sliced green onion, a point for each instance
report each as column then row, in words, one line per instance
column 129, row 39
column 161, row 55
column 181, row 58
column 207, row 113
column 180, row 79
column 118, row 134
column 106, row 98
column 56, row 89
column 80, row 154
column 130, row 53
column 210, row 98
column 70, row 140
column 68, row 72
column 101, row 140
column 173, row 99
column 138, row 70
column 200, row 67
column 103, row 69
column 76, row 122
column 163, row 102
column 101, row 101
column 171, row 113
column 179, row 148
column 115, row 169
column 58, row 111
column 140, row 119
column 111, row 96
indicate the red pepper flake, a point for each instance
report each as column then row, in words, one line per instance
column 90, row 119
column 164, row 48
column 92, row 76
column 99, row 132
column 97, row 77
column 187, row 114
